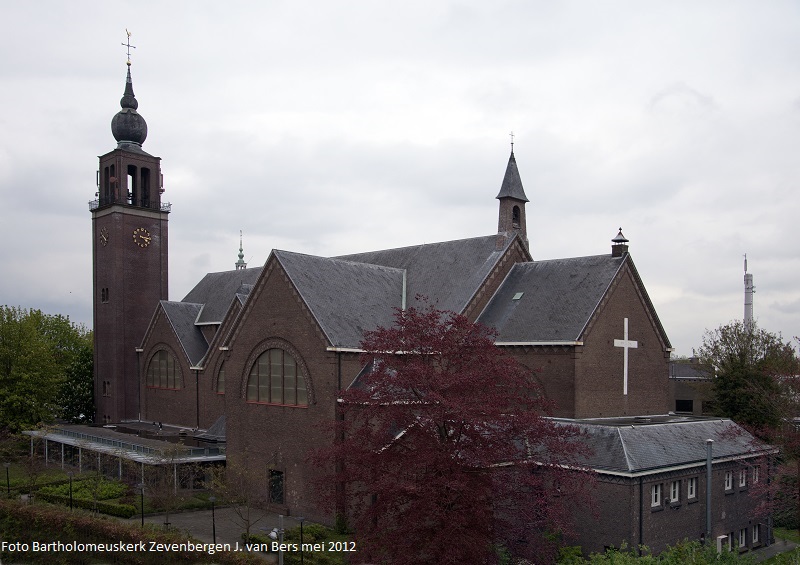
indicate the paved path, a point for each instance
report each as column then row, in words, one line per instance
column 228, row 525
column 780, row 546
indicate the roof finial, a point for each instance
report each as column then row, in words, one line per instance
column 512, row 141
column 128, row 45
column 240, row 264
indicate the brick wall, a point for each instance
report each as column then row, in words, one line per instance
column 599, row 368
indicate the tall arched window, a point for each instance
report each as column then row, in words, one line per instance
column 274, row 379
column 221, row 379
column 515, row 217
column 163, row 371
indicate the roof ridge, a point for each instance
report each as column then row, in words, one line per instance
column 609, row 256
column 347, row 261
column 628, row 461
column 414, row 246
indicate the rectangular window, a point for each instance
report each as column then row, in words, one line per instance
column 756, row 533
column 276, row 486
column 684, row 406
column 755, row 475
column 728, row 480
column 743, row 478
column 743, row 537
column 691, row 489
column 675, row 491
column 655, row 495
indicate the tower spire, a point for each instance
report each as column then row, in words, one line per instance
column 128, row 126
column 240, row 264
column 512, row 203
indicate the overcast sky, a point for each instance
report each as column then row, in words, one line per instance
column 334, row 127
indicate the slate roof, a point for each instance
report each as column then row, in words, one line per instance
column 447, row 273
column 182, row 316
column 345, row 297
column 216, row 291
column 558, row 298
column 215, row 433
column 512, row 183
column 627, row 446
column 690, row 371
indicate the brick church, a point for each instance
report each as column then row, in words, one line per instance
column 255, row 357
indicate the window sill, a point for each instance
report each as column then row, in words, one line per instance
column 674, row 505
column 255, row 402
column 656, row 508
column 693, row 501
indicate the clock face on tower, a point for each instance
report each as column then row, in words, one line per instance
column 141, row 237
column 104, row 237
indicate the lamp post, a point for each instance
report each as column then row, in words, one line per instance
column 301, row 538
column 277, row 534
column 213, row 499
column 70, row 490
column 8, row 481
column 140, row 486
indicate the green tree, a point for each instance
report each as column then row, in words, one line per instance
column 750, row 368
column 37, row 351
column 76, row 394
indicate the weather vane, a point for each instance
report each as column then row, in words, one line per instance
column 129, row 46
column 512, row 141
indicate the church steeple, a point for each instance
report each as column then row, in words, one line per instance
column 512, row 202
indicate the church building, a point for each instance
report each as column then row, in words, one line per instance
column 255, row 357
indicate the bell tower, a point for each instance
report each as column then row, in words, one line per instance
column 129, row 260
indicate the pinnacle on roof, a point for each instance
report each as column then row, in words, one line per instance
column 512, row 184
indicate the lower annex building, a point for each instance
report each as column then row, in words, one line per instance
column 255, row 357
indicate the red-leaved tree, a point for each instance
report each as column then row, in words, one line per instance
column 443, row 454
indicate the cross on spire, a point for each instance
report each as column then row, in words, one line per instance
column 625, row 344
column 129, row 46
column 512, row 141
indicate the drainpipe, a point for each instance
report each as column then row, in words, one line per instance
column 641, row 514
column 197, row 394
column 709, row 447
column 139, row 380
column 403, row 298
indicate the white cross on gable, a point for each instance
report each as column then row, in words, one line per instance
column 625, row 344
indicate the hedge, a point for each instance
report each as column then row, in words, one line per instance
column 110, row 508
column 25, row 523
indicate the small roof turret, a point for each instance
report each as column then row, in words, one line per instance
column 619, row 245
column 240, row 264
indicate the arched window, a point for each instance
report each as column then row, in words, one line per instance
column 163, row 371
column 221, row 379
column 274, row 379
column 515, row 216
